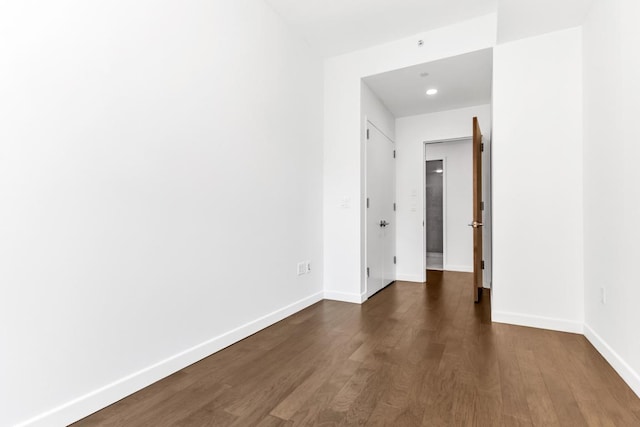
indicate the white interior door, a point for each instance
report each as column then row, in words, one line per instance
column 381, row 224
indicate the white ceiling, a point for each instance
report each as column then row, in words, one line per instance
column 339, row 26
column 334, row 27
column 462, row 81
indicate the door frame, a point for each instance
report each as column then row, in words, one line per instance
column 444, row 208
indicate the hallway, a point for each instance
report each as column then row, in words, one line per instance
column 411, row 355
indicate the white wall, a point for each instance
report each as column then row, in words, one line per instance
column 520, row 19
column 160, row 177
column 411, row 133
column 343, row 154
column 537, row 182
column 611, row 177
column 372, row 110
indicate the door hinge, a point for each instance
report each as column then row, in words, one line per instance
column 483, row 264
column 367, row 133
column 482, row 205
column 394, row 207
column 394, row 260
column 394, row 154
column 367, row 203
column 482, row 147
column 367, row 271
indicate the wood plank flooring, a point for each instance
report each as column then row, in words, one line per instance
column 413, row 355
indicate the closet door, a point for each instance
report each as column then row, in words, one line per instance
column 380, row 211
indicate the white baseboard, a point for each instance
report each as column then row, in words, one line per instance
column 539, row 322
column 409, row 278
column 85, row 405
column 345, row 297
column 628, row 374
column 459, row 268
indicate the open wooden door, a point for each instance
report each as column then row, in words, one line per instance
column 477, row 211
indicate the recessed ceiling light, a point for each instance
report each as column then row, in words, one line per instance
column 432, row 92
column 439, row 171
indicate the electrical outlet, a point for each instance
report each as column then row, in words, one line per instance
column 302, row 268
column 603, row 295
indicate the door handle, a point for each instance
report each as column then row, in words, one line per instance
column 476, row 224
column 383, row 223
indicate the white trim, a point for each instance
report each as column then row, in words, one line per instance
column 83, row 406
column 409, row 278
column 345, row 297
column 628, row 374
column 562, row 325
column 458, row 268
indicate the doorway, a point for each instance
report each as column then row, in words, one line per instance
column 419, row 105
column 457, row 201
column 434, row 214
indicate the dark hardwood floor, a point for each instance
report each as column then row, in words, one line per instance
column 412, row 355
